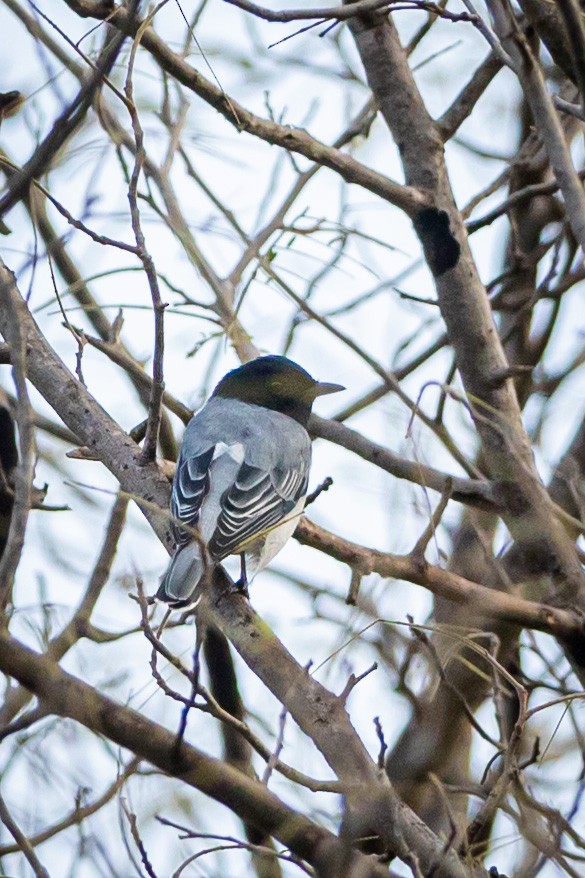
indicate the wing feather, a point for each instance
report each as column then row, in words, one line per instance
column 190, row 486
column 256, row 502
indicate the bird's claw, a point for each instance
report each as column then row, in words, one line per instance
column 241, row 587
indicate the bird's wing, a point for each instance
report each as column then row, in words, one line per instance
column 256, row 502
column 190, row 486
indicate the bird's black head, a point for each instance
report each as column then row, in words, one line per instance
column 275, row 383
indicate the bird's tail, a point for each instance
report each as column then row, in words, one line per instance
column 179, row 586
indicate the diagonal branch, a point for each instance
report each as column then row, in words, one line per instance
column 78, row 409
column 464, row 103
column 372, row 806
column 17, row 697
column 473, row 492
column 485, row 601
column 79, row 812
column 22, row 842
column 543, row 112
column 63, row 127
column 15, row 521
column 466, row 310
column 296, row 140
column 572, row 16
column 64, row 695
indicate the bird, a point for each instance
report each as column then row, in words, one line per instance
column 242, row 475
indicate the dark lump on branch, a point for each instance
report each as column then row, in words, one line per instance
column 441, row 247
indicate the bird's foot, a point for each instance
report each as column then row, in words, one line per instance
column 241, row 587
column 234, row 588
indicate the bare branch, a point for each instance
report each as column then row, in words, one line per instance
column 80, row 812
column 23, row 471
column 464, row 103
column 465, row 306
column 63, row 128
column 22, row 841
column 296, row 140
column 486, row 601
column 543, row 112
column 82, row 414
column 158, row 306
column 67, row 696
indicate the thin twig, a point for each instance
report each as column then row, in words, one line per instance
column 131, row 817
column 382, row 740
column 64, row 126
column 22, row 841
column 430, row 531
column 274, row 756
column 157, row 388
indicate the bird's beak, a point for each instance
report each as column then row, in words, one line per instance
column 322, row 388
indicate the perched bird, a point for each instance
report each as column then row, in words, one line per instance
column 242, row 474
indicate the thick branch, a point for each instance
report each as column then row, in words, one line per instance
column 543, row 112
column 62, row 694
column 15, row 515
column 485, row 601
column 574, row 26
column 466, row 311
column 372, row 807
column 78, row 409
column 463, row 105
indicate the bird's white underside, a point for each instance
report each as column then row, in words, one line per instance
column 261, row 552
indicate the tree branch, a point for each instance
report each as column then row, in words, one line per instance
column 543, row 112
column 292, row 139
column 466, row 311
column 63, row 128
column 65, row 695
column 485, row 601
column 83, row 415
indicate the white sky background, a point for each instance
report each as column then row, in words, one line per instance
column 364, row 505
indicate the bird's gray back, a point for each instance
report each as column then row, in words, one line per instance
column 242, row 468
column 270, row 439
